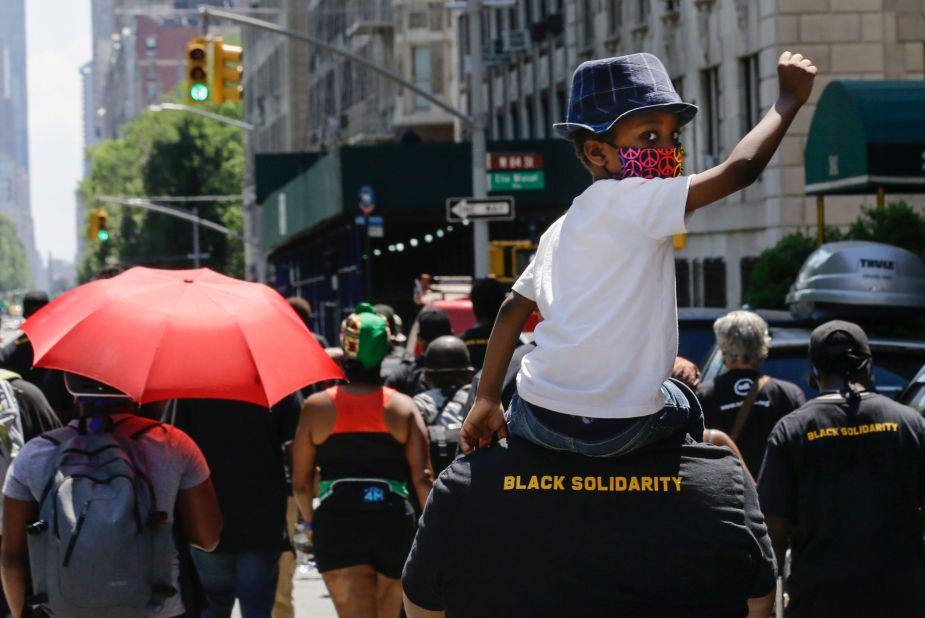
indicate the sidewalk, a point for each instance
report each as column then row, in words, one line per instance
column 311, row 598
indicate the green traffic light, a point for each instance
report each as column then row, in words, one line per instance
column 199, row 92
column 103, row 235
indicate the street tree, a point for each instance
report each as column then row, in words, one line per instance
column 168, row 154
column 14, row 264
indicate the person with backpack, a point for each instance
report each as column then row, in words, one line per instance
column 24, row 414
column 408, row 376
column 448, row 373
column 89, row 510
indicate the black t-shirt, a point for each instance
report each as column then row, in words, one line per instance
column 408, row 377
column 37, row 416
column 242, row 444
column 476, row 339
column 673, row 530
column 850, row 478
column 723, row 397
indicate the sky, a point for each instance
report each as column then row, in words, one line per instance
column 58, row 36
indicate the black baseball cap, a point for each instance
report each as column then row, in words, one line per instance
column 839, row 347
column 82, row 386
column 433, row 323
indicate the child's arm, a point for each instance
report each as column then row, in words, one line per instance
column 750, row 156
column 487, row 416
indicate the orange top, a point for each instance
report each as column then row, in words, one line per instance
column 360, row 413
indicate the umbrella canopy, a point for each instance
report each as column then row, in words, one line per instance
column 164, row 334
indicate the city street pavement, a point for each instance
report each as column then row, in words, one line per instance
column 311, row 598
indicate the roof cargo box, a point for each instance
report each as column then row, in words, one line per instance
column 859, row 280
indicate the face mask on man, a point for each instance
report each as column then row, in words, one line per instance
column 650, row 163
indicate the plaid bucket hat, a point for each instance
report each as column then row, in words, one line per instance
column 605, row 91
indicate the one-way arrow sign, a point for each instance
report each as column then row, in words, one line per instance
column 499, row 208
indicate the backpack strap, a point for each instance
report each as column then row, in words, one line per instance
column 9, row 376
column 746, row 408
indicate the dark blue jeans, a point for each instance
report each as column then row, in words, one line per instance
column 248, row 576
column 681, row 413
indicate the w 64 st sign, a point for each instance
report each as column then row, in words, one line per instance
column 490, row 208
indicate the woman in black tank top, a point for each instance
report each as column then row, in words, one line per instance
column 370, row 445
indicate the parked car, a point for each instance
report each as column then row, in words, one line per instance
column 897, row 360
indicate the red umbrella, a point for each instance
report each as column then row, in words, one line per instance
column 164, row 334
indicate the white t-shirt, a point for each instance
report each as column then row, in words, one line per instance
column 603, row 279
column 174, row 463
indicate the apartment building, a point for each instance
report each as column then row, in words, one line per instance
column 722, row 56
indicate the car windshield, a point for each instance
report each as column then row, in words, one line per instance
column 694, row 343
column 892, row 369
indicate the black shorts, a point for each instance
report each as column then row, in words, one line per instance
column 345, row 537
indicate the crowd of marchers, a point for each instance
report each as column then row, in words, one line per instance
column 585, row 472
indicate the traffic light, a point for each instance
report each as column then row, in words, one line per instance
column 93, row 226
column 197, row 78
column 102, row 224
column 227, row 72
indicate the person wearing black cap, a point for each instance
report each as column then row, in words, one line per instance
column 408, row 377
column 843, row 485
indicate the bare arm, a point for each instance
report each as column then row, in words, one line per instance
column 750, row 156
column 486, row 416
column 417, row 452
column 14, row 557
column 415, row 611
column 761, row 607
column 779, row 531
column 200, row 515
column 304, row 453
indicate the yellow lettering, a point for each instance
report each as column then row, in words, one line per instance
column 558, row 483
column 634, row 483
column 533, row 484
column 811, row 435
column 576, row 483
column 878, row 427
column 590, row 483
column 677, row 482
column 865, row 428
column 620, row 483
column 519, row 483
column 546, row 482
column 508, row 483
column 647, row 483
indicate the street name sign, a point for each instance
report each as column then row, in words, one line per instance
column 516, row 181
column 499, row 208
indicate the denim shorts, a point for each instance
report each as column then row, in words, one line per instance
column 681, row 413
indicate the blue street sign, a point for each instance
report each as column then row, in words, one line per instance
column 366, row 199
column 373, row 221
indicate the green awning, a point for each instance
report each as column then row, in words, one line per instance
column 867, row 135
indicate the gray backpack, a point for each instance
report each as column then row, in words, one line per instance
column 100, row 548
column 11, row 433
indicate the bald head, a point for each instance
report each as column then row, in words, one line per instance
column 446, row 361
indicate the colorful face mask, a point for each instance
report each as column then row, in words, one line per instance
column 650, row 163
column 364, row 336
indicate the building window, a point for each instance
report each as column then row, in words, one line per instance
column 746, row 268
column 545, row 121
column 515, row 123
column 421, row 73
column 417, row 20
column 643, row 8
column 748, row 70
column 614, row 16
column 672, row 5
column 530, row 120
column 563, row 109
column 714, row 282
column 587, row 23
column 712, row 145
column 682, row 279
